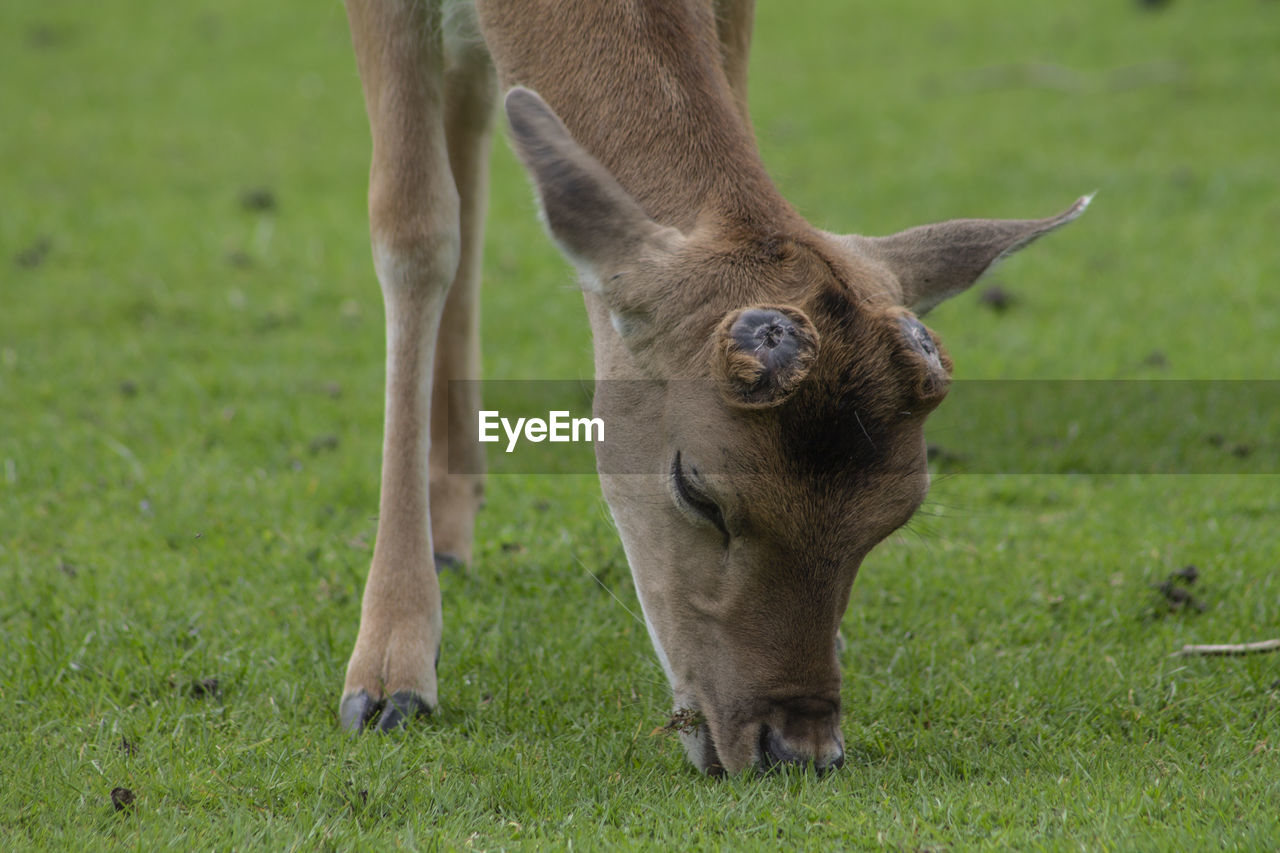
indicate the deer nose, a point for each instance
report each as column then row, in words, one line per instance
column 824, row 751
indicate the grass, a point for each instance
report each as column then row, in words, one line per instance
column 190, row 381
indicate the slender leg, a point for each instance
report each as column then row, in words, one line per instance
column 470, row 93
column 734, row 19
column 413, row 214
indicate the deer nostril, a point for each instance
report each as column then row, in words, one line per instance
column 774, row 751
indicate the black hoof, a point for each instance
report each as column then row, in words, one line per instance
column 446, row 562
column 357, row 710
column 401, row 708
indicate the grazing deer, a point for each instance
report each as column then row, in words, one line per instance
column 747, row 497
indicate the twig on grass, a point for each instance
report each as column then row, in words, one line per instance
column 1230, row 649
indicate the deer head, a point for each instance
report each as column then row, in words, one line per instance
column 765, row 385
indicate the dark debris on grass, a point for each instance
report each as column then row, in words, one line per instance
column 205, row 688
column 997, row 299
column 122, row 799
column 258, row 199
column 47, row 36
column 239, row 259
column 1174, row 591
column 34, row 255
column 1156, row 359
column 944, row 458
column 322, row 443
column 1238, row 449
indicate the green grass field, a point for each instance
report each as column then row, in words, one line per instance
column 190, row 420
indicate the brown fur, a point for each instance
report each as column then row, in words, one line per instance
column 744, row 516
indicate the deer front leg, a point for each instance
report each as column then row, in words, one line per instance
column 457, row 459
column 413, row 214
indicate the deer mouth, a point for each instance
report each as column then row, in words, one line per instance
column 767, row 746
column 700, row 748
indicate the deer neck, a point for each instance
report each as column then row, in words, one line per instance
column 639, row 85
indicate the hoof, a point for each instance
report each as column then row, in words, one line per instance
column 401, row 708
column 446, row 562
column 359, row 709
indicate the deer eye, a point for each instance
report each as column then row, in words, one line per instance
column 694, row 499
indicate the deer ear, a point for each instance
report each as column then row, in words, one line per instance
column 598, row 225
column 763, row 353
column 935, row 262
